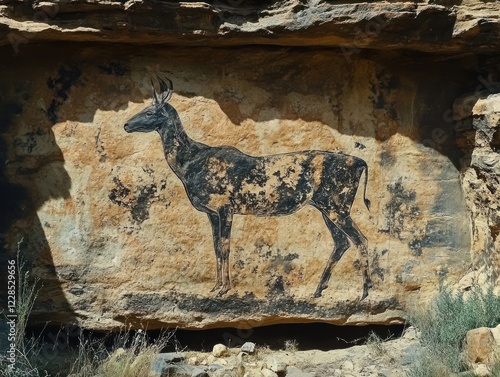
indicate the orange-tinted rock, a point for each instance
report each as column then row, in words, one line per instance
column 116, row 240
column 480, row 345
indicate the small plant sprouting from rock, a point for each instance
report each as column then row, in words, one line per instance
column 291, row 345
column 375, row 344
column 262, row 351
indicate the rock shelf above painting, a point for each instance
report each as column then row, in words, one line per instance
column 445, row 26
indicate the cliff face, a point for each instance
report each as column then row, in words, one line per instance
column 119, row 236
column 451, row 26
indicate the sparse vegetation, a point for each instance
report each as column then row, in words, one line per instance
column 262, row 351
column 377, row 348
column 130, row 355
column 26, row 349
column 443, row 326
column 291, row 345
column 495, row 371
column 375, row 345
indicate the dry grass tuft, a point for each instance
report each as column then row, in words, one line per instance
column 291, row 345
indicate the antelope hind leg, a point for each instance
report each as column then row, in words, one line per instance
column 341, row 243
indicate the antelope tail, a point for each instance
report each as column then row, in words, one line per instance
column 367, row 202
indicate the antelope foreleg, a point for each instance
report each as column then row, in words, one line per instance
column 214, row 222
column 225, row 222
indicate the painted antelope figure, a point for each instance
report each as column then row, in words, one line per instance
column 223, row 181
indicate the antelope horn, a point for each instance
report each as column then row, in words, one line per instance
column 166, row 90
column 170, row 90
column 163, row 85
column 170, row 85
column 155, row 96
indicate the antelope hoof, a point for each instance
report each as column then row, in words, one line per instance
column 366, row 288
column 216, row 287
column 223, row 291
column 321, row 288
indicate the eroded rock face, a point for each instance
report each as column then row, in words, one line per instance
column 110, row 229
column 450, row 26
column 478, row 118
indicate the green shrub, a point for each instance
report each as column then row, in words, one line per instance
column 444, row 324
column 427, row 366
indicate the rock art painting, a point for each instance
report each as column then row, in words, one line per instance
column 222, row 181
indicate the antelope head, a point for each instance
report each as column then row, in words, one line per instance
column 153, row 116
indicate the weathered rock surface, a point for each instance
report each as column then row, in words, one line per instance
column 276, row 365
column 116, row 239
column 482, row 345
column 478, row 125
column 439, row 26
column 108, row 227
column 248, row 347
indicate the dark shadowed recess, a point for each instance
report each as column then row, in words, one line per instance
column 20, row 192
column 308, row 336
column 303, row 336
column 32, row 174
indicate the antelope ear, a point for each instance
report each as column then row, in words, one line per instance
column 155, row 97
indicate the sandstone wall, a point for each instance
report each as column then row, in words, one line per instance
column 108, row 227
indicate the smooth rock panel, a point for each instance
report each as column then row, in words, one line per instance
column 111, row 231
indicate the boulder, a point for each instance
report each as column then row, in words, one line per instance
column 276, row 365
column 169, row 364
column 248, row 347
column 169, row 358
column 495, row 331
column 481, row 370
column 480, row 176
column 220, row 350
column 481, row 345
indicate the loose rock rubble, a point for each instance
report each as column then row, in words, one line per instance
column 391, row 358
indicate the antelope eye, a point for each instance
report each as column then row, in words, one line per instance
column 149, row 113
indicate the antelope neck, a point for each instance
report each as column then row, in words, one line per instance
column 178, row 147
